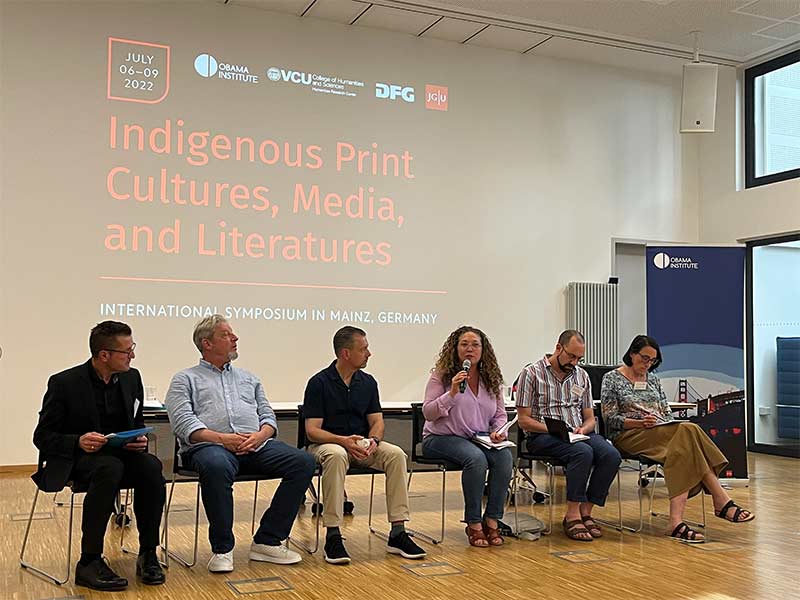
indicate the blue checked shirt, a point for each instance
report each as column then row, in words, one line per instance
column 227, row 400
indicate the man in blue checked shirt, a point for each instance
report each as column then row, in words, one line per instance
column 225, row 426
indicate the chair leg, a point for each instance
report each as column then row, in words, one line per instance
column 703, row 509
column 424, row 536
column 620, row 525
column 124, row 515
column 41, row 572
column 514, row 498
column 653, row 491
column 253, row 517
column 548, row 493
column 518, row 472
column 372, row 529
column 701, row 523
column 551, row 485
column 165, row 535
column 165, row 529
column 316, row 494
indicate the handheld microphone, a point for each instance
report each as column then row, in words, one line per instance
column 467, row 364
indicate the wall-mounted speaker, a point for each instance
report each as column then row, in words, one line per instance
column 699, row 100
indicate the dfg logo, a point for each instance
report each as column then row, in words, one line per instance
column 391, row 92
column 436, row 97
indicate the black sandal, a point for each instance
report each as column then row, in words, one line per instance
column 686, row 534
column 723, row 513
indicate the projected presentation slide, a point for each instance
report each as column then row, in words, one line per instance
column 285, row 174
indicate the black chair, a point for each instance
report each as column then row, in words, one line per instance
column 442, row 465
column 550, row 464
column 184, row 474
column 302, row 442
column 75, row 488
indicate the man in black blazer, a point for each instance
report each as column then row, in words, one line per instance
column 82, row 404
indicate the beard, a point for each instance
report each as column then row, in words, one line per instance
column 566, row 368
column 233, row 355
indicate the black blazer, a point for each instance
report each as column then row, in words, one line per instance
column 69, row 411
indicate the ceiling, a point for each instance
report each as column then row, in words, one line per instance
column 733, row 32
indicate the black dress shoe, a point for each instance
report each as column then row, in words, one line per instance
column 99, row 576
column 148, row 569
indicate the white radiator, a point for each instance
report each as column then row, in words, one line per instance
column 592, row 310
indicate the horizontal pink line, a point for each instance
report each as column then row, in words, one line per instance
column 313, row 286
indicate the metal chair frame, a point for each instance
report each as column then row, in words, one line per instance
column 442, row 465
column 316, row 494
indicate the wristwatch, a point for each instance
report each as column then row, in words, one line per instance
column 377, row 441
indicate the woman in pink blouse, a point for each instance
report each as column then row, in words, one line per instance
column 453, row 417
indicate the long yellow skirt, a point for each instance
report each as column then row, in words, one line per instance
column 685, row 450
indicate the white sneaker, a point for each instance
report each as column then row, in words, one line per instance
column 280, row 555
column 221, row 563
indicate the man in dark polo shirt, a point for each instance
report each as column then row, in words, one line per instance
column 81, row 406
column 344, row 424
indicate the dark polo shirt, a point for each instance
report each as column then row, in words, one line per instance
column 343, row 409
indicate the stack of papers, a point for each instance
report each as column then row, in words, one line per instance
column 484, row 440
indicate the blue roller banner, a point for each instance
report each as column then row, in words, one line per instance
column 695, row 311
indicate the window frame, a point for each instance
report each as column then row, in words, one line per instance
column 750, row 382
column 750, row 75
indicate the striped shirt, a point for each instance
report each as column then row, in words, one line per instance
column 540, row 390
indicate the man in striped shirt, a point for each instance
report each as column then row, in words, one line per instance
column 556, row 387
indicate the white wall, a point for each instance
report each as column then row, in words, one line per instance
column 632, row 293
column 728, row 213
column 521, row 186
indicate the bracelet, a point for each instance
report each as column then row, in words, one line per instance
column 377, row 441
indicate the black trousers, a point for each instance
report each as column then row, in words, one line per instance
column 108, row 471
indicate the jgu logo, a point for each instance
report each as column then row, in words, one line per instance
column 435, row 97
column 391, row 91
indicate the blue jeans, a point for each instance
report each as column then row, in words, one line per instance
column 475, row 461
column 591, row 465
column 218, row 468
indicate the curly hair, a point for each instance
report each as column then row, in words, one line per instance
column 447, row 365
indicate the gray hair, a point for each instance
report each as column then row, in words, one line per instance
column 205, row 329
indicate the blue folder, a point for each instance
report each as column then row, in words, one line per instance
column 123, row 437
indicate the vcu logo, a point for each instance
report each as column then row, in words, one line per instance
column 390, row 91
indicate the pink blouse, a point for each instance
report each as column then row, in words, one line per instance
column 464, row 414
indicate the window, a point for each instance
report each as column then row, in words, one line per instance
column 772, row 121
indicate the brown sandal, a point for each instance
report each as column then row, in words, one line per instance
column 592, row 526
column 476, row 536
column 574, row 529
column 493, row 535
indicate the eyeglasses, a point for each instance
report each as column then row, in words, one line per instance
column 572, row 357
column 129, row 351
column 472, row 345
column 648, row 360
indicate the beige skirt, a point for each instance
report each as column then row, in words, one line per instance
column 685, row 450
